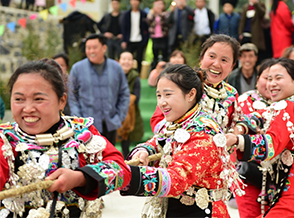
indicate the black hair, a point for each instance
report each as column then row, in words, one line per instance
column 288, row 64
column 185, row 78
column 275, row 6
column 64, row 56
column 102, row 39
column 235, row 45
column 264, row 65
column 46, row 70
column 53, row 63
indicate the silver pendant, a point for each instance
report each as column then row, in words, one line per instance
column 258, row 105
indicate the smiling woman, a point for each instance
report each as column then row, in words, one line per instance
column 218, row 56
column 193, row 176
column 274, row 149
column 42, row 144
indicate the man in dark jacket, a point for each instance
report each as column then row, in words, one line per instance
column 110, row 26
column 135, row 31
column 181, row 24
column 245, row 77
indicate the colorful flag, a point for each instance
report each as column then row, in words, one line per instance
column 11, row 26
column 22, row 22
column 44, row 14
column 63, row 6
column 54, row 10
column 2, row 30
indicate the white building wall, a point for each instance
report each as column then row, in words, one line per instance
column 95, row 8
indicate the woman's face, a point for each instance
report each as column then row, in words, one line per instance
column 62, row 63
column 218, row 61
column 126, row 61
column 280, row 83
column 261, row 84
column 177, row 59
column 34, row 103
column 171, row 100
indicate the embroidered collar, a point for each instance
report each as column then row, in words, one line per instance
column 171, row 127
column 188, row 114
column 65, row 132
column 219, row 92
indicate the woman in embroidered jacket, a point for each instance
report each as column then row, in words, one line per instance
column 218, row 56
column 43, row 144
column 251, row 101
column 194, row 171
column 273, row 149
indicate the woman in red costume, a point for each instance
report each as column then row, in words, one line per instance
column 218, row 56
column 42, row 144
column 250, row 102
column 194, row 173
column 274, row 149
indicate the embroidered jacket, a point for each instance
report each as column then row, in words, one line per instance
column 192, row 160
column 24, row 161
column 265, row 148
column 252, row 101
column 224, row 108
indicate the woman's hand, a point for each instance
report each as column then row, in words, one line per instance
column 142, row 155
column 232, row 140
column 66, row 179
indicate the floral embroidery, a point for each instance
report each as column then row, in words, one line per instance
column 83, row 121
column 40, row 161
column 288, row 183
column 111, row 172
column 259, row 151
column 84, row 135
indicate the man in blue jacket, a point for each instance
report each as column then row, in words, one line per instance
column 135, row 31
column 98, row 88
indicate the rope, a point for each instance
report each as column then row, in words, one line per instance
column 136, row 162
column 46, row 184
column 26, row 189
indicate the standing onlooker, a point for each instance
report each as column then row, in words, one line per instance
column 5, row 3
column 203, row 21
column 132, row 128
column 282, row 27
column 40, row 5
column 228, row 22
column 135, row 31
column 110, row 26
column 250, row 27
column 181, row 24
column 63, row 60
column 98, row 88
column 244, row 78
column 177, row 57
column 158, row 30
column 2, row 109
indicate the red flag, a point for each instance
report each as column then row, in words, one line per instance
column 73, row 3
column 22, row 22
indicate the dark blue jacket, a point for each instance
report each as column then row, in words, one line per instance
column 126, row 27
column 228, row 25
